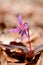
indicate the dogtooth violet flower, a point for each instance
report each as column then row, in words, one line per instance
column 22, row 29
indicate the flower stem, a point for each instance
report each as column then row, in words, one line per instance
column 30, row 45
column 30, row 49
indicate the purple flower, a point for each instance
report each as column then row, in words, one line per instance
column 21, row 29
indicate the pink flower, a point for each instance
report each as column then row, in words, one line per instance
column 21, row 29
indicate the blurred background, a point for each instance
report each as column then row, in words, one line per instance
column 31, row 10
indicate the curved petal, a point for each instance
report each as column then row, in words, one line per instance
column 26, row 26
column 27, row 35
column 20, row 20
column 15, row 30
column 21, row 37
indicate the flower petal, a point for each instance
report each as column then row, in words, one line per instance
column 20, row 20
column 27, row 35
column 21, row 37
column 26, row 26
column 14, row 30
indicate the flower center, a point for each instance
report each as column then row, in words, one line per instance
column 22, row 27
